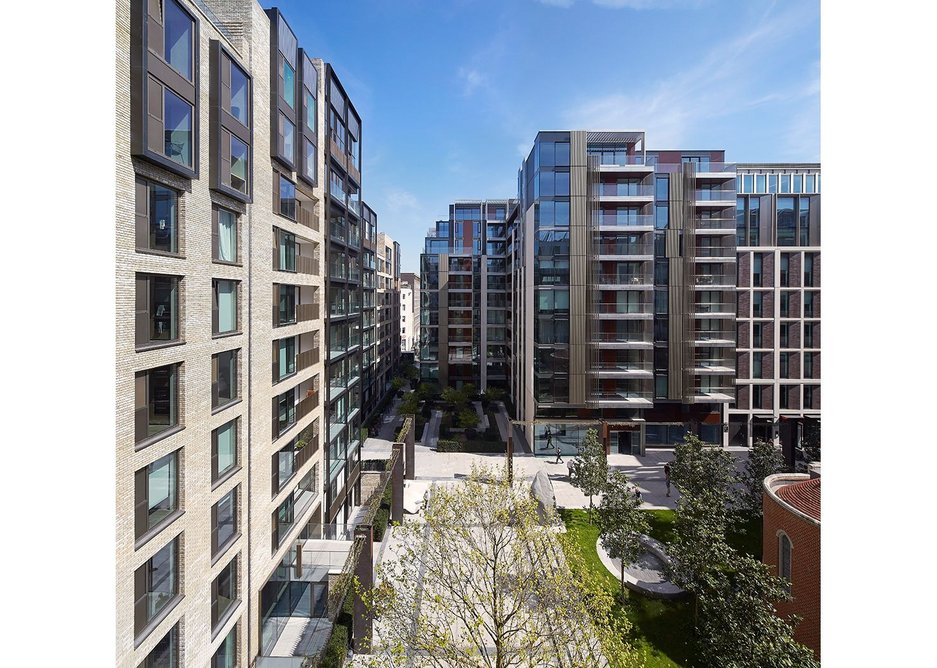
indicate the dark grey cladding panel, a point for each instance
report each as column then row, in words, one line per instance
column 580, row 242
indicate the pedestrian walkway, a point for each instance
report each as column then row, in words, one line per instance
column 388, row 425
column 505, row 427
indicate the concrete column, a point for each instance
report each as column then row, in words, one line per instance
column 409, row 440
column 396, row 479
column 362, row 621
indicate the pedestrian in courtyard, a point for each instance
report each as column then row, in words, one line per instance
column 549, row 436
column 559, row 458
column 637, row 494
column 667, row 477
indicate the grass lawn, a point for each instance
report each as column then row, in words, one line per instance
column 661, row 630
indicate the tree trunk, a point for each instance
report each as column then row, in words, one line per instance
column 623, row 578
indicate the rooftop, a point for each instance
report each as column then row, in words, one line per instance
column 804, row 496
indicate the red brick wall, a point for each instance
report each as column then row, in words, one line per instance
column 805, row 568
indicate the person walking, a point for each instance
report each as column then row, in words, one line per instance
column 667, row 477
column 549, row 436
column 637, row 494
column 559, row 458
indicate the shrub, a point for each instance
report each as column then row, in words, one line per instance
column 381, row 518
column 444, row 445
column 337, row 648
column 467, row 418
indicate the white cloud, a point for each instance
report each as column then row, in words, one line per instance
column 558, row 3
column 624, row 4
column 472, row 79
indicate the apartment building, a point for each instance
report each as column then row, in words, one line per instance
column 371, row 393
column 409, row 313
column 622, row 280
column 778, row 293
column 236, row 150
column 464, row 296
column 388, row 310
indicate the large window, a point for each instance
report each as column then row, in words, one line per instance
column 155, row 402
column 224, row 373
column 784, row 559
column 285, row 360
column 224, row 593
column 224, row 306
column 225, row 244
column 787, row 222
column 285, row 298
column 309, row 155
column 240, row 100
column 157, row 309
column 224, row 449
column 156, row 493
column 239, row 162
column 285, row 411
column 287, row 247
column 804, row 222
column 166, row 652
column 287, row 197
column 289, row 84
column 155, row 585
column 156, row 217
column 223, row 522
column 287, row 138
column 226, row 654
column 178, row 33
column 310, row 102
column 177, row 119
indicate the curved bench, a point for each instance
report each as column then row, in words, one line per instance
column 656, row 586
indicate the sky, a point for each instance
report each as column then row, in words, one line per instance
column 451, row 93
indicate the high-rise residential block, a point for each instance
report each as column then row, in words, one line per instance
column 778, row 239
column 409, row 313
column 387, row 252
column 464, row 296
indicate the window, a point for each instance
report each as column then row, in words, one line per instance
column 224, row 306
column 785, row 364
column 808, row 335
column 785, row 304
column 285, row 406
column 155, row 585
column 286, row 257
column 166, row 652
column 786, row 221
column 224, row 373
column 287, row 198
column 223, row 522
column 156, row 489
column 157, row 309
column 811, row 184
column 285, row 299
column 224, row 593
column 747, row 183
column 662, row 188
column 758, row 260
column 798, row 183
column 177, row 117
column 283, row 519
column 772, row 183
column 238, row 171
column 808, row 269
column 289, row 84
column 226, row 654
column 285, row 358
column 757, row 396
column 240, row 98
column 785, row 270
column 309, row 160
column 757, row 304
column 784, row 559
column 808, row 365
column 754, row 221
column 740, row 221
column 155, row 402
column 287, row 136
column 757, row 329
column 785, row 183
column 804, row 221
column 224, row 449
column 225, row 236
column 785, row 332
column 760, row 183
column 808, row 304
column 756, row 365
column 156, row 217
column 661, row 214
column 310, row 102
column 178, row 36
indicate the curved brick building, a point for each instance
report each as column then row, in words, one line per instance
column 791, row 545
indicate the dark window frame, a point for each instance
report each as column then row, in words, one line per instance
column 218, row 403
column 143, row 196
column 227, row 578
column 216, row 311
column 221, row 544
column 144, row 316
column 218, row 476
column 142, row 405
column 144, row 529
column 144, row 621
column 216, row 236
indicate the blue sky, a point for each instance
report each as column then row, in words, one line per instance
column 452, row 93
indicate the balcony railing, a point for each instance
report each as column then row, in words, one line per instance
column 307, row 312
column 307, row 359
column 622, row 395
column 716, row 251
column 637, row 308
column 727, row 224
column 613, row 219
column 623, row 279
column 622, row 366
column 616, row 158
column 307, row 405
column 716, row 167
column 622, row 337
column 713, row 307
column 605, row 248
column 714, row 335
column 626, row 190
column 307, row 265
column 714, row 195
column 714, row 279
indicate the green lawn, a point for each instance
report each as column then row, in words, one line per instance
column 661, row 630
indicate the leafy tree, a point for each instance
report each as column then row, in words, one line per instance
column 452, row 396
column 397, row 382
column 467, row 418
column 810, row 441
column 494, row 394
column 763, row 460
column 738, row 624
column 428, row 391
column 480, row 582
column 620, row 522
column 410, row 404
column 590, row 469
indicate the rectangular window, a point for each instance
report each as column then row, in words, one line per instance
column 808, row 335
column 785, row 332
column 785, row 364
column 166, row 652
column 757, row 329
column 785, row 270
column 289, row 84
column 224, row 450
column 811, row 184
column 287, row 198
column 808, row 270
column 239, row 162
column 287, row 138
column 224, row 306
column 757, row 266
column 808, row 304
column 754, row 221
column 740, row 221
column 287, row 251
column 157, row 309
column 760, row 184
column 808, row 396
column 804, row 221
column 285, row 358
column 226, row 654
column 285, row 411
column 177, row 117
column 661, row 216
column 224, row 372
column 757, row 304
column 798, row 183
column 156, row 217
column 785, row 304
column 225, row 244
column 286, row 304
column 785, row 183
column 223, row 522
column 155, row 585
column 310, row 102
column 240, row 94
column 662, row 188
column 808, row 365
column 156, row 490
column 772, row 183
column 155, row 402
column 747, row 183
column 178, row 32
column 224, row 593
column 309, row 160
column 787, row 223
column 756, row 365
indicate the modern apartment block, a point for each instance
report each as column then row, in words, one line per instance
column 409, row 313
column 623, row 280
column 464, row 296
column 371, row 392
column 239, row 216
column 778, row 352
column 387, row 253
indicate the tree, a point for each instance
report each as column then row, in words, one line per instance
column 467, row 418
column 590, row 469
column 397, row 382
column 763, row 460
column 410, row 404
column 482, row 583
column 494, row 394
column 810, row 441
column 620, row 522
column 738, row 623
column 453, row 396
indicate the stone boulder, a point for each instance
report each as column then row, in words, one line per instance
column 542, row 490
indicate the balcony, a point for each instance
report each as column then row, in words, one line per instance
column 722, row 171
column 614, row 220
column 720, row 226
column 641, row 281
column 307, row 312
column 714, row 309
column 622, row 369
column 638, row 310
column 715, row 197
column 714, row 365
column 605, row 250
column 635, row 339
column 713, row 281
column 718, row 253
column 710, row 393
column 623, row 397
column 714, row 337
column 627, row 192
column 337, row 152
column 618, row 161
